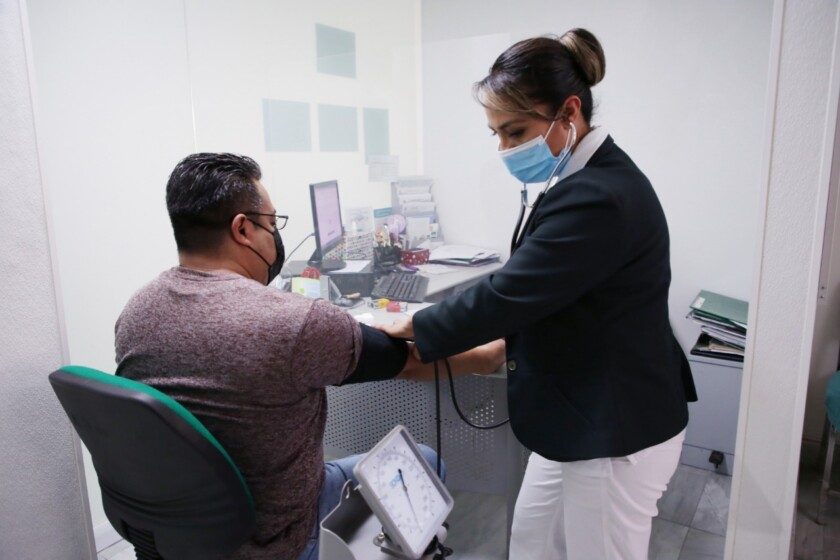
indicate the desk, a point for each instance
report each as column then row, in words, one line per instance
column 442, row 286
column 488, row 461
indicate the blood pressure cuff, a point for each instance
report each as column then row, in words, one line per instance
column 381, row 358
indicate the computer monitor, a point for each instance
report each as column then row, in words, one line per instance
column 329, row 231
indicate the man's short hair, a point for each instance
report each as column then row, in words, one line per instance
column 204, row 192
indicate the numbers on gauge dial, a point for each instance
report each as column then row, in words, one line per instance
column 404, row 488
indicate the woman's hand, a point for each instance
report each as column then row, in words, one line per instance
column 401, row 328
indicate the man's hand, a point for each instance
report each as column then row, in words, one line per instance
column 402, row 328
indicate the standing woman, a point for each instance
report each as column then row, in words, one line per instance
column 597, row 384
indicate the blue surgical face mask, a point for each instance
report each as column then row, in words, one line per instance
column 533, row 162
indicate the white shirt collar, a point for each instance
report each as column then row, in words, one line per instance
column 588, row 145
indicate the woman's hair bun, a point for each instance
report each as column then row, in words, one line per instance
column 587, row 53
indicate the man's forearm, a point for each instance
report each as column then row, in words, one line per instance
column 483, row 360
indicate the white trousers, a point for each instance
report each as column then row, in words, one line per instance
column 599, row 509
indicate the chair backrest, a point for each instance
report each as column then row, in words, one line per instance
column 832, row 400
column 168, row 486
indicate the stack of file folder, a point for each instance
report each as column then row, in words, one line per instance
column 412, row 196
column 463, row 255
column 723, row 325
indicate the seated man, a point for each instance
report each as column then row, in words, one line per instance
column 251, row 362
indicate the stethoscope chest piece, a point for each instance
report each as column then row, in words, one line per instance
column 522, row 207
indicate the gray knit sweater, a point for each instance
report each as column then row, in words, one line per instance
column 251, row 363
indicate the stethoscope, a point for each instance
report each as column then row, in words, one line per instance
column 524, row 192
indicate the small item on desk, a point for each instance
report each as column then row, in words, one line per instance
column 396, row 225
column 463, row 255
column 416, row 231
column 348, row 302
column 434, row 231
column 414, row 257
column 379, row 303
column 358, row 246
column 311, row 272
column 360, row 219
column 307, row 287
column 382, row 236
column 358, row 236
column 386, row 254
column 396, row 307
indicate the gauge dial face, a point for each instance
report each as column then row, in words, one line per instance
column 406, row 491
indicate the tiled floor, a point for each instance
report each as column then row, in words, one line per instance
column 477, row 527
column 691, row 523
column 812, row 541
column 692, row 516
column 120, row 551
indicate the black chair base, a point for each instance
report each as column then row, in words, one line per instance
column 144, row 544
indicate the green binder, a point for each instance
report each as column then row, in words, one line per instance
column 722, row 308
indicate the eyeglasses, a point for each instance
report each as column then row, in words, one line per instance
column 279, row 221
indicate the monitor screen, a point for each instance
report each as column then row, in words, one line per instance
column 326, row 213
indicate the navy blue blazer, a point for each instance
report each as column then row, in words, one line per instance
column 594, row 369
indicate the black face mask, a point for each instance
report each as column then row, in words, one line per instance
column 273, row 268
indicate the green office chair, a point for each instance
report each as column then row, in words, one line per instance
column 168, row 487
column 832, row 424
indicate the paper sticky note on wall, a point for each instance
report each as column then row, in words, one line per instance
column 383, row 168
column 286, row 126
column 335, row 50
column 377, row 133
column 337, row 128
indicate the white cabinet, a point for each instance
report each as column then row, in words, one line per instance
column 713, row 419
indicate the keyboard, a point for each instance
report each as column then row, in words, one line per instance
column 400, row 286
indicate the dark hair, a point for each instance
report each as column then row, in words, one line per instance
column 546, row 70
column 204, row 192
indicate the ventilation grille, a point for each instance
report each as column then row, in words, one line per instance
column 476, row 460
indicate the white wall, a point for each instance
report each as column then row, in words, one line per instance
column 43, row 501
column 126, row 89
column 824, row 359
column 271, row 54
column 113, row 97
column 684, row 95
column 798, row 152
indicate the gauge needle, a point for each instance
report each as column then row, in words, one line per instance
column 407, row 495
